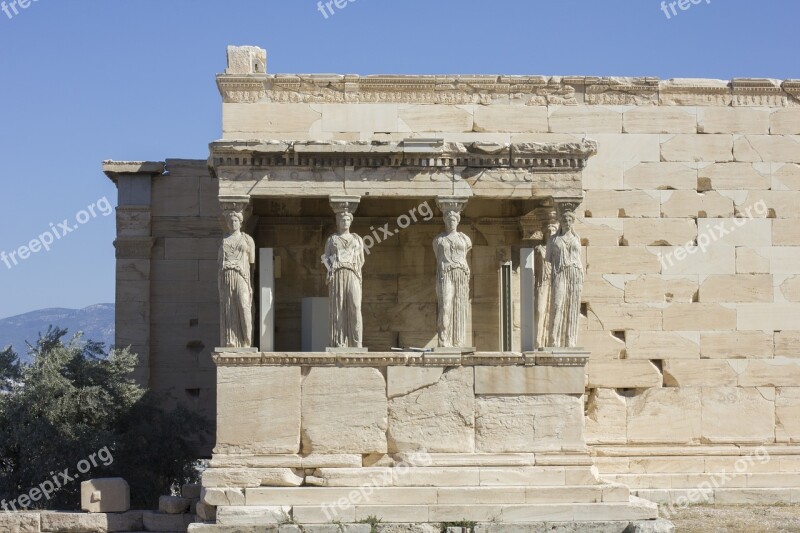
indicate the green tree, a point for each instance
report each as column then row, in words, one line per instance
column 71, row 402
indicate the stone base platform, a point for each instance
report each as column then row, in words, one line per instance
column 710, row 474
column 412, row 438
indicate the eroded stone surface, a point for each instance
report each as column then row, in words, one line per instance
column 437, row 418
column 344, row 411
column 506, row 424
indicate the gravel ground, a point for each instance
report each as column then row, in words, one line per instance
column 738, row 519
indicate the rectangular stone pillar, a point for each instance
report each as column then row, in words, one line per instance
column 527, row 299
column 134, row 245
column 315, row 325
column 266, row 276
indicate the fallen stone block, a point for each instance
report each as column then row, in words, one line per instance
column 107, row 495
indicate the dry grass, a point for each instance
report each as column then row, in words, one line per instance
column 738, row 519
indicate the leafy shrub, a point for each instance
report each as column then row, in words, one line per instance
column 72, row 402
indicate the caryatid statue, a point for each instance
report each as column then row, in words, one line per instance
column 452, row 276
column 564, row 256
column 237, row 257
column 543, row 285
column 344, row 259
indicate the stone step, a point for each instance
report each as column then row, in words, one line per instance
column 454, row 476
column 720, row 496
column 324, row 496
column 762, row 463
column 634, row 509
column 623, row 526
column 698, row 481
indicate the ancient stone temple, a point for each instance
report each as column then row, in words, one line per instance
column 495, row 299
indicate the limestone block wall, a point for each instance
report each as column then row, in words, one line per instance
column 184, row 326
column 690, row 226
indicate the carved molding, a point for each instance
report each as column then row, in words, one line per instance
column 533, row 157
column 383, row 359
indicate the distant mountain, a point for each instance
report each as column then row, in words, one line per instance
column 96, row 322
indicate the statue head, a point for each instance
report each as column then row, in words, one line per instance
column 233, row 221
column 567, row 222
column 343, row 221
column 550, row 230
column 451, row 221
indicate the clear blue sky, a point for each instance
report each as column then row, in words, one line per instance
column 87, row 80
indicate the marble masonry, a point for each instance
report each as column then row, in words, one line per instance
column 499, row 299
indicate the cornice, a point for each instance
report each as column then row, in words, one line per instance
column 427, row 153
column 491, row 89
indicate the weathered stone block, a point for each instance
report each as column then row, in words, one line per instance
column 253, row 418
column 689, row 260
column 787, row 344
column 439, row 417
column 736, row 345
column 652, row 345
column 769, row 148
column 585, row 119
column 698, row 316
column 768, row 317
column 108, row 495
column 778, row 372
column 216, row 497
column 600, row 231
column 247, row 516
column 733, row 120
column 250, row 477
column 606, row 417
column 604, row 316
column 403, row 380
column 787, row 414
column 344, row 411
column 703, row 373
column 734, row 176
column 508, row 424
column 20, row 522
column 737, row 288
column 511, row 119
column 601, row 203
column 785, row 121
column 622, row 260
column 661, row 176
column 709, row 204
column 665, row 416
column 644, row 119
column 659, row 231
column 623, row 375
column 508, row 380
column 697, row 148
column 738, row 415
column 657, row 288
column 435, row 118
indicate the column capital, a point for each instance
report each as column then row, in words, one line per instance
column 564, row 205
column 237, row 203
column 344, row 204
column 451, row 203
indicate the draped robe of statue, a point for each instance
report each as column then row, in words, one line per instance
column 452, row 287
column 564, row 254
column 236, row 255
column 344, row 256
column 543, row 285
